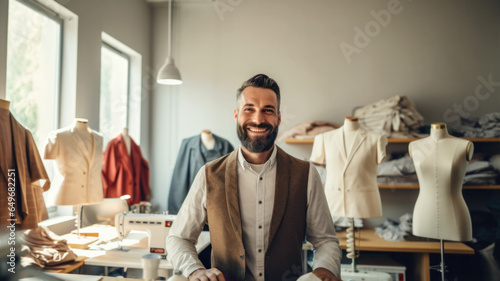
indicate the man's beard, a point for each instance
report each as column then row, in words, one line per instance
column 257, row 144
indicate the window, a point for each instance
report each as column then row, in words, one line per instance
column 115, row 68
column 33, row 67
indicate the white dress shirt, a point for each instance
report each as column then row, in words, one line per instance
column 256, row 185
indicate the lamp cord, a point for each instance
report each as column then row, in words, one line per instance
column 169, row 28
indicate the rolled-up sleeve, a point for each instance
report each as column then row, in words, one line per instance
column 320, row 231
column 186, row 229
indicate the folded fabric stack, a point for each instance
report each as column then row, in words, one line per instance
column 399, row 171
column 308, row 130
column 480, row 173
column 402, row 171
column 44, row 248
column 487, row 126
column 394, row 117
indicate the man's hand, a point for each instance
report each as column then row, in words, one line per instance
column 212, row 274
column 325, row 274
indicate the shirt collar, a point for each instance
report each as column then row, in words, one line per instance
column 269, row 163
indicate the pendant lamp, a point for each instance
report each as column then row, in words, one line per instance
column 169, row 74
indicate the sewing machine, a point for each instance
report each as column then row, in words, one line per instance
column 156, row 225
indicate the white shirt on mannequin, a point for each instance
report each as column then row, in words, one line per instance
column 440, row 162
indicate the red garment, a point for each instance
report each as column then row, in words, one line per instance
column 123, row 174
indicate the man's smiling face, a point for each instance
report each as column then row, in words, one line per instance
column 257, row 118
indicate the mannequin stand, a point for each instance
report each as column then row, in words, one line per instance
column 351, row 245
column 442, row 266
column 78, row 219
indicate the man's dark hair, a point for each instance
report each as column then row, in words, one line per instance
column 261, row 81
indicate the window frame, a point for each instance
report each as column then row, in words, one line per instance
column 39, row 8
column 126, row 56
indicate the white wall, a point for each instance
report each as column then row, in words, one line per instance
column 430, row 51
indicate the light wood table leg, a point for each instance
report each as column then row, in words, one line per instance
column 421, row 271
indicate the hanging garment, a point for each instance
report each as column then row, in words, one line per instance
column 123, row 173
column 22, row 168
column 351, row 178
column 79, row 164
column 192, row 156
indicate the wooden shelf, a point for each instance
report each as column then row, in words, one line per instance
column 299, row 141
column 390, row 140
column 372, row 242
column 415, row 186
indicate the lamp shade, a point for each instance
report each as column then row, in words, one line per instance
column 169, row 74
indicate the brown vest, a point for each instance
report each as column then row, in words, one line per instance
column 288, row 222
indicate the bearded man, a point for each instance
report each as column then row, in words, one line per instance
column 260, row 204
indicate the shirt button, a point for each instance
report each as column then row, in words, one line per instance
column 84, row 173
column 242, row 256
column 260, row 250
column 260, row 202
column 82, row 185
column 260, row 226
column 260, row 178
column 339, row 189
column 260, row 274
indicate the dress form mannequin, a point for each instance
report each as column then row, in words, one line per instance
column 440, row 162
column 351, row 155
column 86, row 134
column 440, row 211
column 126, row 139
column 207, row 139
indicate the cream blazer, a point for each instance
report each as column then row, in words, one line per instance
column 351, row 179
column 80, row 180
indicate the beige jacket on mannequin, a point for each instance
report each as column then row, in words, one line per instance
column 79, row 164
column 351, row 177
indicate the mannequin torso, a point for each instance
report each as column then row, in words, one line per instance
column 207, row 139
column 84, row 132
column 126, row 139
column 351, row 126
column 440, row 162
